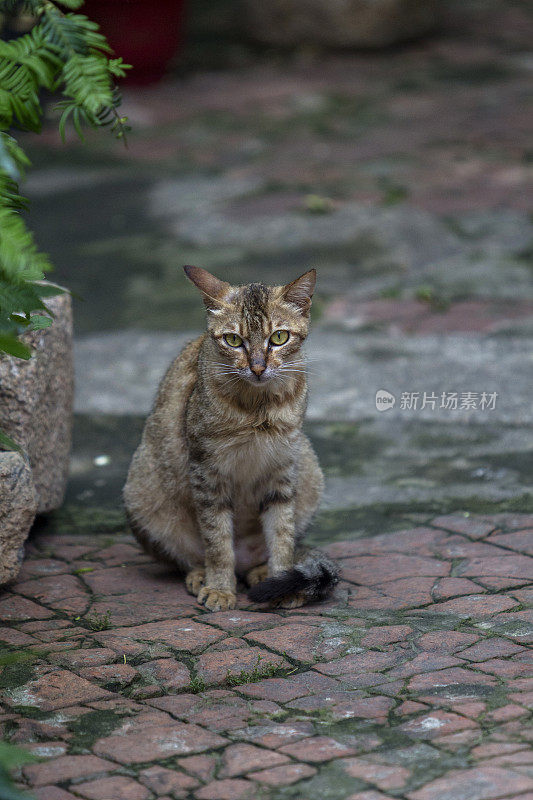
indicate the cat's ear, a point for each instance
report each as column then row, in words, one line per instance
column 300, row 291
column 213, row 290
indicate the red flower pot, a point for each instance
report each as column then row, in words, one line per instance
column 146, row 35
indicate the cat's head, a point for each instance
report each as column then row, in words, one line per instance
column 257, row 331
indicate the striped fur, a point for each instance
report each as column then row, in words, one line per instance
column 224, row 478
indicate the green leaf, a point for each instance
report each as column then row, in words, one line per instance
column 12, row 757
column 39, row 322
column 6, row 443
column 62, row 52
column 49, row 289
column 77, row 116
column 18, row 296
column 75, row 4
column 20, row 319
column 118, row 68
column 13, row 160
column 12, row 346
column 19, row 256
column 8, row 791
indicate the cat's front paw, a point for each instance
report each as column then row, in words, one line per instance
column 216, row 599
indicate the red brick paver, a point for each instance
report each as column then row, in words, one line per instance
column 240, row 704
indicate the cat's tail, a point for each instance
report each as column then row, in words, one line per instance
column 314, row 575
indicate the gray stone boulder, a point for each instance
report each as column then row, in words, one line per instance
column 338, row 23
column 36, row 403
column 18, row 504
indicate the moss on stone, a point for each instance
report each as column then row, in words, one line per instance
column 30, row 711
column 371, row 520
column 343, row 448
column 84, row 519
column 331, row 783
column 427, row 437
column 15, row 675
column 92, row 726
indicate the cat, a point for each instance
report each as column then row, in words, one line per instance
column 224, row 482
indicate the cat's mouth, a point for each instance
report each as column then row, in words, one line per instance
column 259, row 379
column 262, row 379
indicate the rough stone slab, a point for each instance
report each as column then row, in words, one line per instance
column 242, row 758
column 162, row 741
column 118, row 372
column 57, row 689
column 52, row 793
column 118, row 788
column 438, row 723
column 385, row 776
column 64, row 768
column 358, row 23
column 284, row 775
column 166, row 781
column 228, row 789
column 184, row 635
column 171, row 674
column 317, row 749
column 36, row 399
column 213, row 667
column 18, row 504
column 481, row 783
column 13, row 608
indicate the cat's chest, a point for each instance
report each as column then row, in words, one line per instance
column 252, row 456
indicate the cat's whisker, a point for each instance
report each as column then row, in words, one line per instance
column 297, row 364
column 229, row 383
column 299, row 371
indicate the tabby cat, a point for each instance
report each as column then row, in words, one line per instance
column 224, row 482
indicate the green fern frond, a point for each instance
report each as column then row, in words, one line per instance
column 66, row 52
column 26, row 64
column 14, row 7
column 19, row 257
column 33, row 51
column 75, row 4
column 13, row 159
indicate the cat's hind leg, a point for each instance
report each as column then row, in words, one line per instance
column 162, row 521
column 195, row 580
column 256, row 574
column 296, row 600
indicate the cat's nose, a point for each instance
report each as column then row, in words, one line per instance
column 258, row 367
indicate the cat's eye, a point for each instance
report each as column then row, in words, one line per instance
column 233, row 339
column 279, row 337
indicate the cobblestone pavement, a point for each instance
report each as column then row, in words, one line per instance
column 414, row 682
